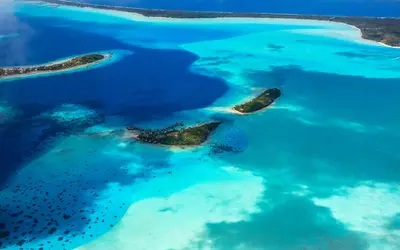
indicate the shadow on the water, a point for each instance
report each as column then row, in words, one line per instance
column 322, row 155
column 149, row 83
column 344, row 126
column 291, row 223
column 56, row 195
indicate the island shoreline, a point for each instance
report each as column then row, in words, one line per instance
column 175, row 136
column 387, row 38
column 107, row 56
column 258, row 103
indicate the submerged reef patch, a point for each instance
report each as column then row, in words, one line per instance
column 275, row 47
column 79, row 187
column 73, row 115
column 6, row 113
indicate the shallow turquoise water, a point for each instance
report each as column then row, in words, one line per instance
column 317, row 170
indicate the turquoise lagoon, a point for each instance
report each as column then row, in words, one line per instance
column 317, row 170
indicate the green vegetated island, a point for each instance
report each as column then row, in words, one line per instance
column 265, row 99
column 383, row 30
column 62, row 65
column 176, row 135
column 179, row 135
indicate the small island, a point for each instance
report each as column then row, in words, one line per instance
column 175, row 135
column 72, row 63
column 382, row 30
column 262, row 101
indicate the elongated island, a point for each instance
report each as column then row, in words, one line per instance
column 58, row 66
column 266, row 98
column 382, row 30
column 175, row 135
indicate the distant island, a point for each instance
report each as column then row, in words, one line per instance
column 382, row 30
column 76, row 62
column 175, row 135
column 262, row 101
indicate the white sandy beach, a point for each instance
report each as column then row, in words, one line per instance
column 357, row 37
column 179, row 217
column 107, row 56
column 230, row 110
column 110, row 57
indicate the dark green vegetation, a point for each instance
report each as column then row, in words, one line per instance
column 176, row 135
column 262, row 101
column 384, row 30
column 71, row 63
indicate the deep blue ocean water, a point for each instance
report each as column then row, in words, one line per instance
column 317, row 170
column 144, row 101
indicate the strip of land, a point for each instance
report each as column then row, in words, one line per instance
column 382, row 30
column 58, row 66
column 261, row 102
column 175, row 135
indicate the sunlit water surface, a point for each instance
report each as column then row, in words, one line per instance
column 317, row 170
